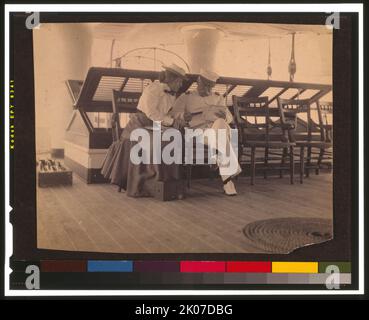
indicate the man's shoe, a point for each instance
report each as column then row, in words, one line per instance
column 229, row 188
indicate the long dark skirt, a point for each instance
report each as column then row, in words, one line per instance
column 136, row 179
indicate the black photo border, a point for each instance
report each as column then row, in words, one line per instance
column 344, row 246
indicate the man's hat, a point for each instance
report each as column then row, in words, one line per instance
column 176, row 70
column 209, row 75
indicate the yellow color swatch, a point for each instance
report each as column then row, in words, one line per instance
column 295, row 267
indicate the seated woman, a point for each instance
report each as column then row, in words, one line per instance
column 154, row 105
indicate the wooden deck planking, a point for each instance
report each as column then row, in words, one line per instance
column 98, row 218
column 86, row 220
column 58, row 237
column 137, row 226
column 57, row 219
column 207, row 230
column 118, row 230
column 147, row 211
column 156, row 208
column 266, row 199
column 102, row 228
column 156, row 230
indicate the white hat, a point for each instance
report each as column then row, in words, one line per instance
column 209, row 75
column 176, row 69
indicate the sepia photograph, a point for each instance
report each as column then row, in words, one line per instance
column 183, row 137
column 184, row 150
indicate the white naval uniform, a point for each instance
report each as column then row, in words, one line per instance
column 156, row 103
column 200, row 108
column 203, row 117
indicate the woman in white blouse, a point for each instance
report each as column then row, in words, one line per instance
column 156, row 101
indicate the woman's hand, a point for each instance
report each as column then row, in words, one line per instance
column 179, row 124
column 220, row 114
column 187, row 116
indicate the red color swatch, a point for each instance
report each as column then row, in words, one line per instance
column 202, row 266
column 249, row 266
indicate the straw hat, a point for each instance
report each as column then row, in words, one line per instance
column 176, row 70
column 209, row 75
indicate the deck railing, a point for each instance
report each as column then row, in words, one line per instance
column 96, row 92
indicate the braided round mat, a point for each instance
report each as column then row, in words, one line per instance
column 287, row 234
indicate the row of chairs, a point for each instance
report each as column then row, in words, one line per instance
column 269, row 136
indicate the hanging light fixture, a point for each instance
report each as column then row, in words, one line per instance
column 292, row 64
column 269, row 67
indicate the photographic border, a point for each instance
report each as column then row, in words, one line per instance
column 170, row 8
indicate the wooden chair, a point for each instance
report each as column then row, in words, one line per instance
column 115, row 121
column 325, row 114
column 117, row 97
column 308, row 135
column 255, row 135
column 119, row 106
column 189, row 166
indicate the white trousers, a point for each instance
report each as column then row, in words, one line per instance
column 226, row 158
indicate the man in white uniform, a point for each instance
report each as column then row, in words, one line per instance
column 204, row 109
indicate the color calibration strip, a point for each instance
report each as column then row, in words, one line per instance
column 191, row 266
column 210, row 272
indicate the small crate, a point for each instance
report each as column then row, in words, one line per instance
column 57, row 177
column 167, row 190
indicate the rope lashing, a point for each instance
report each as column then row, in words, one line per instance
column 269, row 67
column 292, row 64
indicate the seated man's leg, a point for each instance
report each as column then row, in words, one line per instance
column 224, row 162
column 232, row 158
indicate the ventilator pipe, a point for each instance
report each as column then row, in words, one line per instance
column 201, row 43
